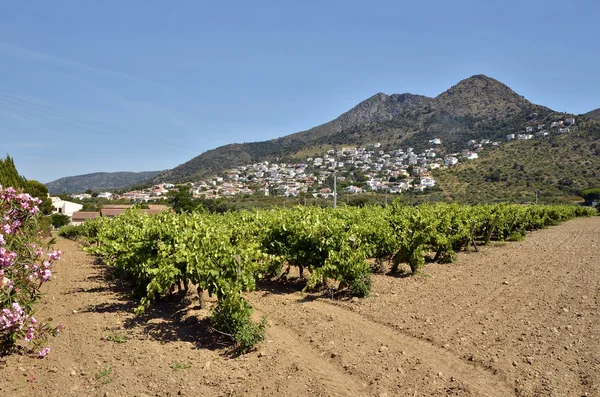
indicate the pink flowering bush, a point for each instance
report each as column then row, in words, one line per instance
column 24, row 267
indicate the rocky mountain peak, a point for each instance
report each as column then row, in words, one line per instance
column 480, row 96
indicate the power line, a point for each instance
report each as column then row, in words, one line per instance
column 77, row 119
column 62, row 121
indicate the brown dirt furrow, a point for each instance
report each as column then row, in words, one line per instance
column 528, row 309
column 334, row 380
column 521, row 275
column 477, row 380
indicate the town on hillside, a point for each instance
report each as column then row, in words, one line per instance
column 355, row 169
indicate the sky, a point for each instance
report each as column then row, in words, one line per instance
column 147, row 85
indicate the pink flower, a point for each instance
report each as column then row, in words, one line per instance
column 55, row 255
column 46, row 274
column 44, row 352
column 2, row 239
column 30, row 334
column 6, row 258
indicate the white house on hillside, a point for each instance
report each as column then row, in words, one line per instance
column 65, row 207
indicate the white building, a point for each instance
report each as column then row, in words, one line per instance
column 524, row 137
column 449, row 161
column 65, row 207
column 427, row 181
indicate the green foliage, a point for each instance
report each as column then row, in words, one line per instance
column 591, row 195
column 24, row 268
column 179, row 366
column 88, row 229
column 59, row 220
column 361, row 286
column 181, row 200
column 103, row 376
column 224, row 254
column 9, row 176
column 552, row 170
column 232, row 317
column 117, row 338
column 71, row 232
column 101, row 181
column 322, row 240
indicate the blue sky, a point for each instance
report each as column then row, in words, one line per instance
column 147, row 85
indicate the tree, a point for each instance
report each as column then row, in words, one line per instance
column 181, row 200
column 9, row 176
column 591, row 195
column 59, row 220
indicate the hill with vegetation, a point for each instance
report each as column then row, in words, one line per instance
column 557, row 167
column 378, row 109
column 99, row 181
column 594, row 114
column 477, row 107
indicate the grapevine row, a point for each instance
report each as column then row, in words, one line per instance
column 224, row 255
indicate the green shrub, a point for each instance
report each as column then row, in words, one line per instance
column 361, row 286
column 59, row 220
column 70, row 231
column 232, row 317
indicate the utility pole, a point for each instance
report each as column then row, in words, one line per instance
column 334, row 190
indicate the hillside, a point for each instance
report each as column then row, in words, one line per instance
column 378, row 109
column 477, row 107
column 557, row 167
column 98, row 181
column 594, row 114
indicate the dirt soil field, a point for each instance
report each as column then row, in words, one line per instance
column 519, row 319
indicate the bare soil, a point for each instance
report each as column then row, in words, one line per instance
column 515, row 319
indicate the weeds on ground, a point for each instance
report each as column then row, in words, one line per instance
column 178, row 366
column 117, row 338
column 103, row 376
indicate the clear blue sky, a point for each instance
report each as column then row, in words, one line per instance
column 146, row 85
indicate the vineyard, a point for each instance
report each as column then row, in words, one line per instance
column 225, row 255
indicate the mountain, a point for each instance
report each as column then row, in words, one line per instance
column 594, row 114
column 481, row 97
column 475, row 108
column 98, row 181
column 377, row 109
